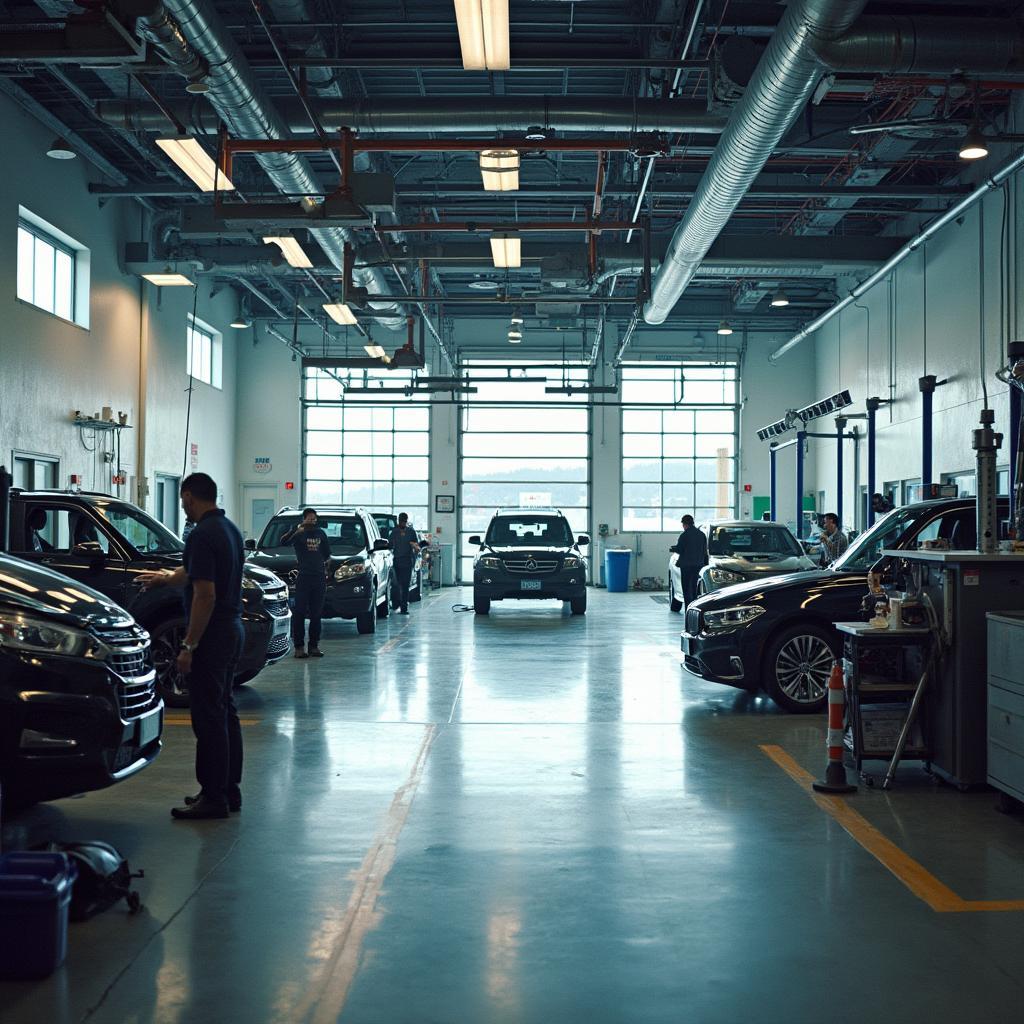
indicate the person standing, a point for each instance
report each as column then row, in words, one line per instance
column 405, row 547
column 212, row 575
column 833, row 540
column 691, row 556
column 880, row 504
column 313, row 556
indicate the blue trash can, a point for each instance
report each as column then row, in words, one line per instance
column 616, row 569
column 35, row 892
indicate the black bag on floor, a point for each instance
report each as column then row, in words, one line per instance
column 104, row 878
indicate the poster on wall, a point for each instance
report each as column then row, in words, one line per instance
column 444, row 502
column 261, row 466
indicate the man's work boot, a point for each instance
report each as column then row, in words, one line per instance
column 205, row 807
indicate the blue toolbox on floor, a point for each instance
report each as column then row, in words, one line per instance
column 35, row 892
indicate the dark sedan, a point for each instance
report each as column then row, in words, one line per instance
column 778, row 635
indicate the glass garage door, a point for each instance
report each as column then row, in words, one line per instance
column 527, row 448
column 362, row 451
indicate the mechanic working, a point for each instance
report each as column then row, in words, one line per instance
column 691, row 556
column 313, row 556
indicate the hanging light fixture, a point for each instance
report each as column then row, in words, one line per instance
column 169, row 278
column 60, row 150
column 240, row 323
column 724, row 328
column 506, row 249
column 515, row 337
column 483, row 34
column 194, row 161
column 516, row 319
column 499, row 169
column 974, row 146
column 340, row 313
column 780, row 298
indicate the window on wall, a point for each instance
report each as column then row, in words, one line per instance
column 53, row 269
column 679, row 428
column 360, row 449
column 204, row 357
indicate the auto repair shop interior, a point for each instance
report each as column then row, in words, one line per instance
column 547, row 276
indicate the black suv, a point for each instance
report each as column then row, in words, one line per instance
column 105, row 543
column 386, row 522
column 529, row 553
column 79, row 709
column 359, row 575
column 778, row 633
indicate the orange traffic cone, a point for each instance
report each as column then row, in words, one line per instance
column 835, row 773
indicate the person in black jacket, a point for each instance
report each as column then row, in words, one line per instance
column 691, row 556
column 313, row 557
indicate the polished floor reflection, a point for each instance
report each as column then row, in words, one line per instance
column 528, row 817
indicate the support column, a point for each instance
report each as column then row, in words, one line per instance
column 801, row 439
column 872, row 407
column 927, row 385
column 1015, row 417
column 840, row 431
column 773, row 453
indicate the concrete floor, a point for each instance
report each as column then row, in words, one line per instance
column 530, row 818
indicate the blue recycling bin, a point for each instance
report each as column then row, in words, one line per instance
column 616, row 569
column 35, row 893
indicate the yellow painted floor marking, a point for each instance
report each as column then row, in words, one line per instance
column 390, row 645
column 325, row 997
column 921, row 882
column 187, row 721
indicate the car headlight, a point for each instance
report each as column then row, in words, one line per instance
column 731, row 618
column 350, row 570
column 489, row 562
column 724, row 576
column 248, row 583
column 40, row 637
column 572, row 562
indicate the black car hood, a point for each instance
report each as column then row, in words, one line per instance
column 35, row 590
column 737, row 593
column 536, row 551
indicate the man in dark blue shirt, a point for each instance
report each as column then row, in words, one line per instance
column 212, row 574
column 313, row 557
column 691, row 556
column 406, row 547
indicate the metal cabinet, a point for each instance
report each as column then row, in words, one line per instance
column 1006, row 702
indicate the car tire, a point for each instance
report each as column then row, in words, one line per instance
column 166, row 637
column 481, row 605
column 674, row 604
column 797, row 668
column 579, row 605
column 384, row 608
column 366, row 622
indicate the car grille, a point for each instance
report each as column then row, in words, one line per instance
column 278, row 646
column 278, row 607
column 693, row 621
column 137, row 698
column 129, row 657
column 530, row 565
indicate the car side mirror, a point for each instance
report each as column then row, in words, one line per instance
column 92, row 550
column 582, row 539
column 381, row 545
column 250, row 544
column 475, row 540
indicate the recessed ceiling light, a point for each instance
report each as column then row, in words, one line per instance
column 60, row 150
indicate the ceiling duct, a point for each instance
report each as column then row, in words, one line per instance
column 190, row 32
column 777, row 94
column 445, row 114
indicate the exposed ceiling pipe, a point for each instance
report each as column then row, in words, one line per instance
column 187, row 31
column 898, row 257
column 444, row 114
column 906, row 45
column 778, row 92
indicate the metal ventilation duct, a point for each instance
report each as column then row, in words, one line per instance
column 778, row 92
column 190, row 32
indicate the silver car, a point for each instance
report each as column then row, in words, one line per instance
column 741, row 550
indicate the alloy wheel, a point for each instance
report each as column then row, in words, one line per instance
column 166, row 645
column 802, row 668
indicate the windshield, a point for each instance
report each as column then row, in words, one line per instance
column 866, row 549
column 529, row 531
column 738, row 541
column 385, row 523
column 140, row 529
column 345, row 533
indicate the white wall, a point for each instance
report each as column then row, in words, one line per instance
column 882, row 350
column 51, row 367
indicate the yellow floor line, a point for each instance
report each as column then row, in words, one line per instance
column 921, row 882
column 188, row 721
column 325, row 999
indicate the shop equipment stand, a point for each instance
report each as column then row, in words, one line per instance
column 885, row 672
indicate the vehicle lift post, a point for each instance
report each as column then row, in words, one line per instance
column 801, row 444
column 927, row 385
column 873, row 405
column 840, row 429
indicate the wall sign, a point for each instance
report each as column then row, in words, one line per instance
column 444, row 502
column 194, row 456
column 261, row 465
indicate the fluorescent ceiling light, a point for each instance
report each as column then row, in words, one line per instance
column 724, row 327
column 974, row 146
column 483, row 34
column 340, row 313
column 499, row 169
column 375, row 351
column 780, row 298
column 293, row 252
column 169, row 279
column 506, row 250
column 194, row 161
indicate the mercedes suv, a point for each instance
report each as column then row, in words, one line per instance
column 529, row 553
column 105, row 543
column 79, row 708
column 359, row 575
